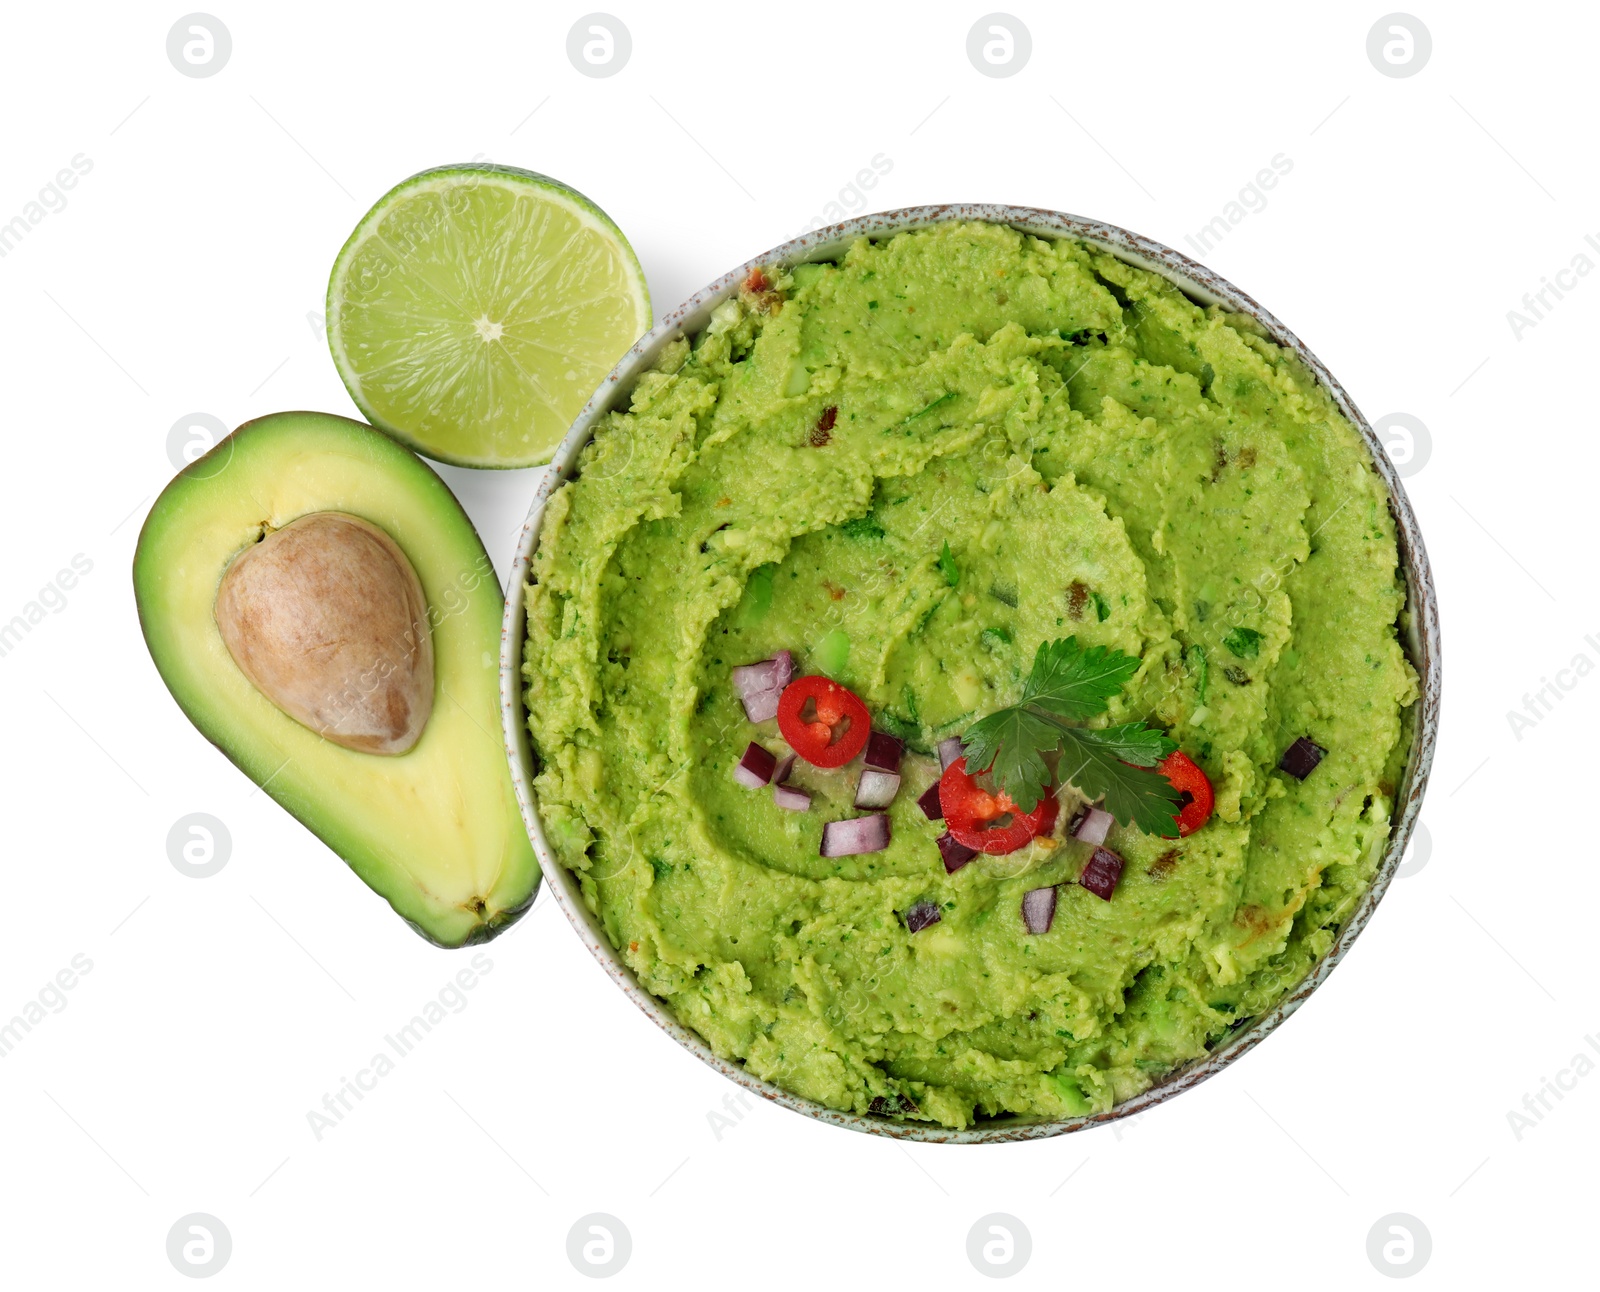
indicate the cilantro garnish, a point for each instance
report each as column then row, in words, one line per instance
column 1071, row 683
column 948, row 566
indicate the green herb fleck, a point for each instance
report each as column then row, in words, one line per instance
column 943, row 399
column 947, row 564
column 863, row 527
column 1101, row 608
column 1243, row 642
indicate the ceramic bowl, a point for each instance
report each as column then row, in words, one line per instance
column 1419, row 635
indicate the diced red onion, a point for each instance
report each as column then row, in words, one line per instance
column 1301, row 758
column 921, row 916
column 756, row 767
column 1039, row 909
column 883, row 752
column 1092, row 825
column 785, row 766
column 759, row 685
column 857, row 835
column 929, row 803
column 757, row 691
column 876, row 789
column 949, row 751
column 790, row 799
column 955, row 853
column 1101, row 874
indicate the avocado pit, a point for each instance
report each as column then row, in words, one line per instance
column 328, row 619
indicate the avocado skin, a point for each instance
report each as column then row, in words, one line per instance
column 435, row 831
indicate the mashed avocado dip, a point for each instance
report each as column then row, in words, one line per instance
column 910, row 468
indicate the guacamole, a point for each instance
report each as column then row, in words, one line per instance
column 911, row 468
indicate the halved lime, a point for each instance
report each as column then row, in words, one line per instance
column 476, row 308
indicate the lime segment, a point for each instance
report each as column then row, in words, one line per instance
column 476, row 308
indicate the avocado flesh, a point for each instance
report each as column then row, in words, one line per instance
column 436, row 830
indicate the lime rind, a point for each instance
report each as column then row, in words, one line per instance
column 488, row 341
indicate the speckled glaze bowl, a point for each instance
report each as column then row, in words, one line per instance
column 1419, row 631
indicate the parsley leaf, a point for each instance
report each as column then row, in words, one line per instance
column 948, row 566
column 1010, row 744
column 1133, row 742
column 1098, row 766
column 1071, row 683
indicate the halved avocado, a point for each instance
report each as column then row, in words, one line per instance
column 435, row 830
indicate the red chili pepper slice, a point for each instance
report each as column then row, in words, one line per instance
column 1186, row 778
column 823, row 722
column 969, row 809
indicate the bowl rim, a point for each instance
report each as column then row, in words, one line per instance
column 1418, row 629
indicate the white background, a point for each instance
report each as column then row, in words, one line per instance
column 180, row 277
